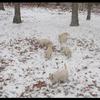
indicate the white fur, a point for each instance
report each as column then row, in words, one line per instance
column 63, row 38
column 48, row 52
column 66, row 51
column 44, row 42
column 60, row 75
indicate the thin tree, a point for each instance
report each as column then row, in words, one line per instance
column 17, row 15
column 2, row 6
column 74, row 18
column 89, row 7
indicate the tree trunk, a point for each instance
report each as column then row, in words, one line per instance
column 89, row 6
column 1, row 6
column 17, row 16
column 74, row 18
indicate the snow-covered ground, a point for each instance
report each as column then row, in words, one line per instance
column 22, row 62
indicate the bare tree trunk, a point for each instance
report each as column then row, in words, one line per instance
column 74, row 18
column 17, row 16
column 89, row 6
column 1, row 6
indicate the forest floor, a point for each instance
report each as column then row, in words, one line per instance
column 22, row 62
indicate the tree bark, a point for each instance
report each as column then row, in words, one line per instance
column 1, row 6
column 74, row 18
column 89, row 6
column 17, row 15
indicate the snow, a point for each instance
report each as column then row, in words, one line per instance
column 22, row 65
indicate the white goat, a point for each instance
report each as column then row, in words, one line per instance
column 66, row 51
column 44, row 42
column 63, row 38
column 49, row 51
column 59, row 76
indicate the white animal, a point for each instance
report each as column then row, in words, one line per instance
column 63, row 38
column 59, row 76
column 66, row 51
column 49, row 51
column 44, row 42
